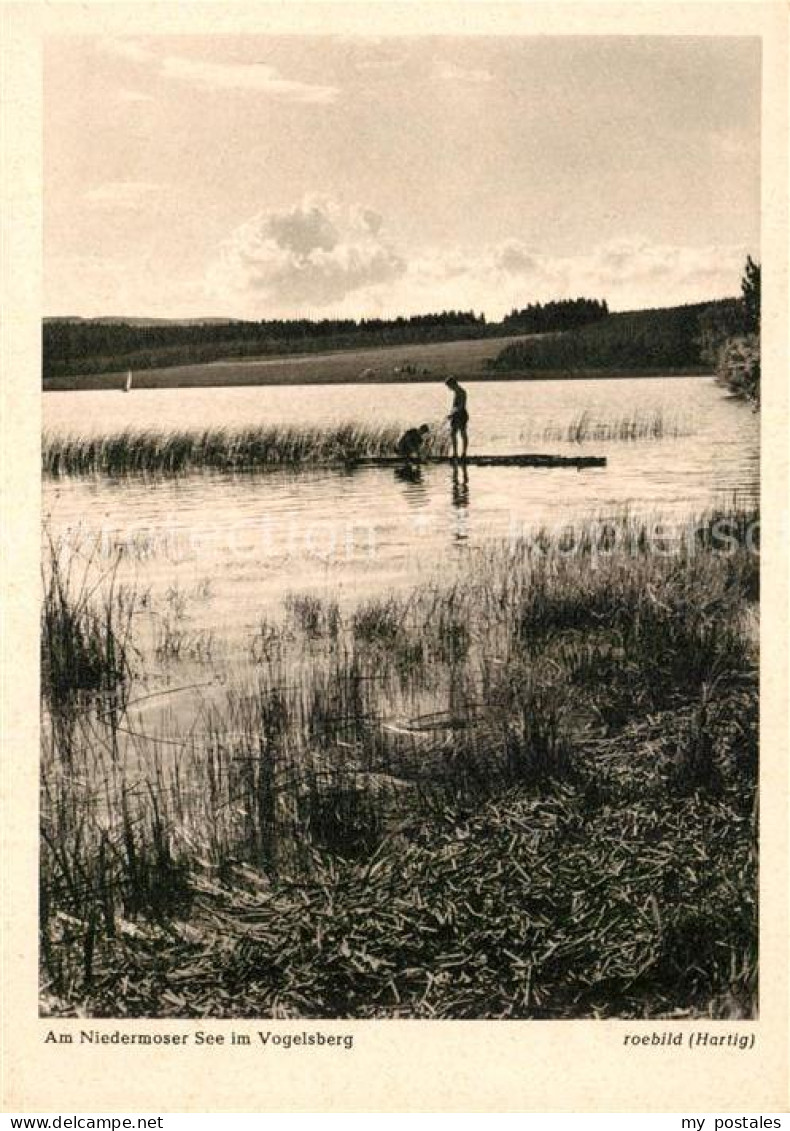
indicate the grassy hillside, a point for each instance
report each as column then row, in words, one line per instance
column 634, row 340
column 627, row 344
column 426, row 362
column 81, row 346
column 73, row 347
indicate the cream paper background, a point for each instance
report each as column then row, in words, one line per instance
column 477, row 1066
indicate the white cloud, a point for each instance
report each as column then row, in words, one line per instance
column 244, row 76
column 122, row 194
column 664, row 273
column 311, row 256
column 208, row 75
column 322, row 259
column 514, row 258
column 629, row 275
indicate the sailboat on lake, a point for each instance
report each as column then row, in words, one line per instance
column 128, row 384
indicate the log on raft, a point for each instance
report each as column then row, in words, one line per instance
column 519, row 459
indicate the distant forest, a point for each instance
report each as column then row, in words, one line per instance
column 73, row 346
column 567, row 314
column 572, row 334
column 671, row 338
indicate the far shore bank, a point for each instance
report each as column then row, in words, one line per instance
column 227, row 375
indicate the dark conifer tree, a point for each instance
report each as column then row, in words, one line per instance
column 750, row 288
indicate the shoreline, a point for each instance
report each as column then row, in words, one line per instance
column 187, row 377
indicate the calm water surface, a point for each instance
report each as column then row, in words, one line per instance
column 222, row 550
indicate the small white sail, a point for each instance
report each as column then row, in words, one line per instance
column 128, row 381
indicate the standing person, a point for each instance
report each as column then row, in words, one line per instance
column 459, row 417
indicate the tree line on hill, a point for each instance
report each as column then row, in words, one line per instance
column 666, row 338
column 567, row 314
column 571, row 335
column 731, row 340
column 72, row 347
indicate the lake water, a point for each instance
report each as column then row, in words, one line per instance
column 233, row 545
column 213, row 555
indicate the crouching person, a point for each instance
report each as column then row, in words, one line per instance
column 410, row 444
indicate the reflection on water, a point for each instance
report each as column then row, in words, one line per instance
column 414, row 488
column 461, row 500
column 212, row 556
column 460, row 485
column 256, row 537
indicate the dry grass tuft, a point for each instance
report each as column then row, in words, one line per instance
column 527, row 794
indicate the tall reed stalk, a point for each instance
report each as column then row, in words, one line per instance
column 85, row 626
column 584, row 428
column 262, row 447
column 604, row 686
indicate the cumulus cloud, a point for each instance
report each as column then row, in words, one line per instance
column 319, row 258
column 311, row 256
column 514, row 258
column 638, row 272
column 628, row 274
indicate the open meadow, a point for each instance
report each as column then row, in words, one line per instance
column 469, row 360
column 423, row 362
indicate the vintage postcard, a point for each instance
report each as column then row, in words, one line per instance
column 395, row 548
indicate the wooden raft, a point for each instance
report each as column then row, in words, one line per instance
column 519, row 459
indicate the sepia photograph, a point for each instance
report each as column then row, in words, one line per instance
column 400, row 544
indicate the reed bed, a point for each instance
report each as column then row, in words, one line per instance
column 263, row 447
column 584, row 428
column 529, row 793
column 616, row 891
column 85, row 640
column 586, row 902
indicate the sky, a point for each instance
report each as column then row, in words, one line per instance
column 262, row 177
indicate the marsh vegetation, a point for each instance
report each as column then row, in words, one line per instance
column 584, row 428
column 275, row 446
column 171, row 452
column 524, row 791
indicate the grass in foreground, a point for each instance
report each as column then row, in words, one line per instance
column 615, row 892
column 85, row 629
column 530, row 794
